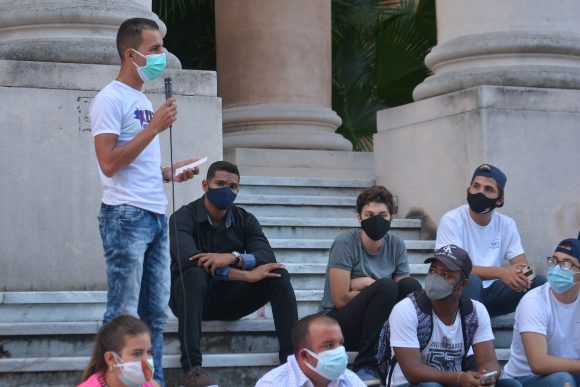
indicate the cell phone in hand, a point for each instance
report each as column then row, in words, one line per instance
column 528, row 271
column 488, row 376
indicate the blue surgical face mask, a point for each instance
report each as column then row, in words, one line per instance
column 560, row 280
column 221, row 198
column 331, row 363
column 154, row 67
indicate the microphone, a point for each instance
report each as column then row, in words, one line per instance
column 168, row 88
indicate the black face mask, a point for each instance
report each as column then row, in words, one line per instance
column 376, row 227
column 480, row 203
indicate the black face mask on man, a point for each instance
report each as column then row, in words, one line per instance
column 376, row 227
column 480, row 203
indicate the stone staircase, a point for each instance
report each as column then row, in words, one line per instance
column 46, row 337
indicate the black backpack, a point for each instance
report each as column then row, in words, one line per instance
column 422, row 305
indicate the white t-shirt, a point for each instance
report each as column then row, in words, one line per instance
column 540, row 312
column 119, row 109
column 488, row 245
column 445, row 349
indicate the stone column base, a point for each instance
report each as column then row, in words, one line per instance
column 429, row 149
column 302, row 163
column 283, row 126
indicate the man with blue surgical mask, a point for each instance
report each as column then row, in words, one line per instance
column 223, row 268
column 545, row 348
column 319, row 358
column 132, row 218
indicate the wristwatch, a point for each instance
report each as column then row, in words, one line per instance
column 238, row 257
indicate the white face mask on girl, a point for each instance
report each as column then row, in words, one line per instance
column 134, row 373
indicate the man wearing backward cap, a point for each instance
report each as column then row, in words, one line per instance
column 490, row 238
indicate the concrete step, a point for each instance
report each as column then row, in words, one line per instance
column 47, row 340
column 326, row 243
column 297, row 200
column 299, row 211
column 311, row 276
column 304, row 182
column 89, row 306
column 252, row 185
column 328, row 228
column 78, row 363
column 320, row 255
column 316, row 250
column 242, row 370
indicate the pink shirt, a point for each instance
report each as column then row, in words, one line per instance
column 94, row 381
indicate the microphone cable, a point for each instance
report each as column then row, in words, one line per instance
column 169, row 94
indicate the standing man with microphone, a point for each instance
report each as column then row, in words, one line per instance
column 132, row 219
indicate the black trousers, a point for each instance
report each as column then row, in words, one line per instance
column 208, row 299
column 362, row 319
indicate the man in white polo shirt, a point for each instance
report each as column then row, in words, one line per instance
column 491, row 239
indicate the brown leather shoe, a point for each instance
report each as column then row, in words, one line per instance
column 197, row 377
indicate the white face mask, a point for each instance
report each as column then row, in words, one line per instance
column 134, row 373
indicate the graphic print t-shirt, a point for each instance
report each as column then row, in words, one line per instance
column 445, row 349
column 124, row 111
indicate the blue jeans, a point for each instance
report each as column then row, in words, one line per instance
column 557, row 379
column 499, row 383
column 138, row 279
column 498, row 298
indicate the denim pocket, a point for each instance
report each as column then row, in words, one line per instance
column 130, row 214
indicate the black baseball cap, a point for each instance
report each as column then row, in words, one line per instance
column 454, row 258
column 570, row 246
column 489, row 170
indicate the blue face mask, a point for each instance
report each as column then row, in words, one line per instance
column 560, row 280
column 331, row 363
column 222, row 198
column 154, row 68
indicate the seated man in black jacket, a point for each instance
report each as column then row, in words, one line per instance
column 228, row 269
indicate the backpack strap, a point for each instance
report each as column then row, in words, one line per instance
column 383, row 356
column 469, row 321
column 424, row 317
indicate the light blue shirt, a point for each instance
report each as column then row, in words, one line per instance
column 290, row 375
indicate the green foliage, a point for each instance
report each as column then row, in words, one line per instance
column 378, row 53
column 403, row 42
column 378, row 59
column 190, row 31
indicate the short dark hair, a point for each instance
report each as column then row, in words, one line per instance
column 130, row 33
column 222, row 166
column 301, row 331
column 377, row 194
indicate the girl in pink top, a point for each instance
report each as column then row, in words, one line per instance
column 122, row 356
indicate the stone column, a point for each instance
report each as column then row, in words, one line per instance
column 69, row 31
column 505, row 90
column 513, row 44
column 55, row 55
column 274, row 74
